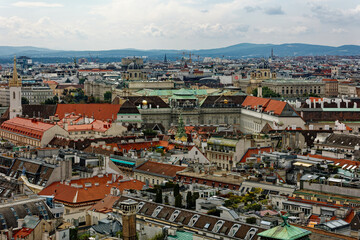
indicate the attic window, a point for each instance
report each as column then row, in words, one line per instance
column 251, row 233
column 218, row 225
column 234, row 230
column 193, row 220
column 140, row 205
column 157, row 211
column 174, row 215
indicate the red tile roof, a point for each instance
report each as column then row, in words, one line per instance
column 23, row 233
column 105, row 205
column 349, row 217
column 276, row 106
column 29, row 127
column 100, row 186
column 268, row 104
column 255, row 101
column 160, row 168
column 252, row 151
column 100, row 111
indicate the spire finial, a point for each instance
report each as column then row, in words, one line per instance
column 14, row 82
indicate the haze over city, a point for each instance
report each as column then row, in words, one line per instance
column 189, row 24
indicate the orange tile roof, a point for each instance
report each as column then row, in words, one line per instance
column 349, row 217
column 29, row 127
column 105, row 205
column 100, row 187
column 22, row 233
column 276, row 106
column 255, row 101
column 160, row 168
column 268, row 104
column 252, row 151
column 100, row 111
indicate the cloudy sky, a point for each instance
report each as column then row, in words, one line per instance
column 176, row 24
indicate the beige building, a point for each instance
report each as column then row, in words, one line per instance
column 295, row 87
column 226, row 152
column 331, row 87
column 257, row 112
column 97, row 89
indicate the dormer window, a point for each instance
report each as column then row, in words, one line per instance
column 140, row 206
column 218, row 225
column 174, row 215
column 193, row 220
column 157, row 211
column 234, row 230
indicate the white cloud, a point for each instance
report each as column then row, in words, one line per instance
column 36, row 4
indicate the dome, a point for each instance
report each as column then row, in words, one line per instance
column 134, row 65
column 144, row 102
column 264, row 65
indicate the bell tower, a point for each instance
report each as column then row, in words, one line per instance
column 15, row 109
column 128, row 209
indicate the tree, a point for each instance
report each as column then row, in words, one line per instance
column 52, row 101
column 189, row 200
column 158, row 198
column 67, row 81
column 107, row 96
column 178, row 201
column 176, row 190
column 195, row 196
column 266, row 92
column 24, row 100
column 159, row 236
column 166, row 200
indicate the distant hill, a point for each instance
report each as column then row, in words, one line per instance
column 242, row 50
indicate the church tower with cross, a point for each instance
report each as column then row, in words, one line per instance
column 15, row 109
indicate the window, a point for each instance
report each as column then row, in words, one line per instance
column 14, row 212
column 3, row 222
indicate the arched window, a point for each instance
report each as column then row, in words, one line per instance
column 14, row 95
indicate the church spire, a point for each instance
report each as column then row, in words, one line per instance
column 15, row 81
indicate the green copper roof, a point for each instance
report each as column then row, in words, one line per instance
column 169, row 92
column 285, row 232
column 183, row 92
column 181, row 236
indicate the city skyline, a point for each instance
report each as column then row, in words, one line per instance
column 157, row 24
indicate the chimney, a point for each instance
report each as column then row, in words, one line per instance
column 20, row 222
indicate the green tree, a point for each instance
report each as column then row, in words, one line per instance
column 107, row 96
column 67, row 81
column 189, row 200
column 159, row 236
column 266, row 92
column 52, row 101
column 178, row 201
column 158, row 198
column 24, row 100
column 176, row 190
column 195, row 196
column 166, row 200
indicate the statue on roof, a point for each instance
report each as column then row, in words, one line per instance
column 181, row 132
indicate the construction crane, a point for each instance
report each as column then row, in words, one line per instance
column 94, row 61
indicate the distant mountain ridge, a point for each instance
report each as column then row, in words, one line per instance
column 242, row 50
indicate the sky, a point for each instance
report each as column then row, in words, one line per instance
column 176, row 24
